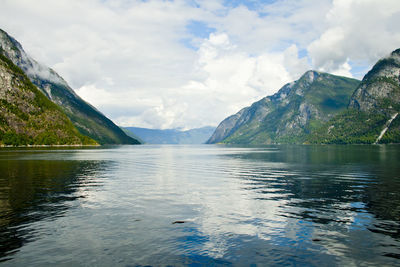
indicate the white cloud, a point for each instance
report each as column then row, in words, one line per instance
column 130, row 59
column 343, row 70
column 295, row 65
column 227, row 79
column 358, row 30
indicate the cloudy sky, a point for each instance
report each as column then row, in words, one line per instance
column 187, row 64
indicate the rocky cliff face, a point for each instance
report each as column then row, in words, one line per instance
column 27, row 117
column 380, row 88
column 291, row 113
column 372, row 114
column 88, row 120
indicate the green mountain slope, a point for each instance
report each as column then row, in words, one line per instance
column 87, row 119
column 27, row 117
column 288, row 116
column 372, row 115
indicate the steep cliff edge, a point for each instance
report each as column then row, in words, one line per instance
column 371, row 114
column 27, row 117
column 379, row 90
column 87, row 119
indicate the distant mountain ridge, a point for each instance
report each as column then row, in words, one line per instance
column 290, row 114
column 172, row 136
column 87, row 119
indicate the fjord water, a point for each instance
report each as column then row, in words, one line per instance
column 200, row 205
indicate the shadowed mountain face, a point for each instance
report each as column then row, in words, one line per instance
column 172, row 136
column 27, row 117
column 289, row 115
column 88, row 120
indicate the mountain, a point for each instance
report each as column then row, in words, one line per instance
column 372, row 114
column 131, row 134
column 27, row 117
column 380, row 88
column 87, row 119
column 172, row 136
column 288, row 116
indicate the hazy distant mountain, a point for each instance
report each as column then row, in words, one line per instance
column 87, row 119
column 172, row 136
column 27, row 117
column 288, row 116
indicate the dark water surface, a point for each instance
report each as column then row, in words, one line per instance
column 266, row 206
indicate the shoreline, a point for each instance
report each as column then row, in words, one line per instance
column 33, row 146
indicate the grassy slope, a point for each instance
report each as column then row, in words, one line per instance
column 350, row 127
column 356, row 127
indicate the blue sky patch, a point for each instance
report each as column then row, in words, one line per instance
column 359, row 69
column 303, row 53
column 199, row 29
column 250, row 4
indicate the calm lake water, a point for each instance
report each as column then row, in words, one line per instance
column 200, row 205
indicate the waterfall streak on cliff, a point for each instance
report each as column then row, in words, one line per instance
column 386, row 127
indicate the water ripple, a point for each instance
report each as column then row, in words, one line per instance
column 276, row 205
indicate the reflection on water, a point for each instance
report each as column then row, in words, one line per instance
column 32, row 190
column 274, row 205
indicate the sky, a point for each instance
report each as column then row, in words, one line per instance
column 188, row 64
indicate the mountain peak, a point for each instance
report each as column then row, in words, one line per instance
column 310, row 75
column 296, row 87
column 396, row 52
column 13, row 50
column 290, row 113
column 380, row 88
